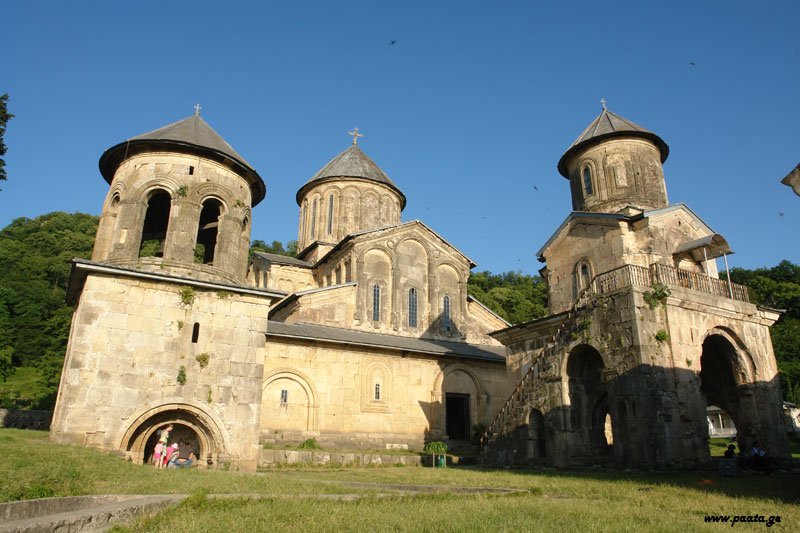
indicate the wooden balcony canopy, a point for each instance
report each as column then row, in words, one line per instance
column 715, row 246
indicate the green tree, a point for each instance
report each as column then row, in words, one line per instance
column 35, row 262
column 276, row 247
column 515, row 296
column 5, row 116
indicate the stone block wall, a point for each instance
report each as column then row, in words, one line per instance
column 330, row 394
column 140, row 347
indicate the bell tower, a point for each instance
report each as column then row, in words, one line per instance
column 180, row 201
column 614, row 164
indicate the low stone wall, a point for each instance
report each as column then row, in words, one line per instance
column 13, row 418
column 270, row 458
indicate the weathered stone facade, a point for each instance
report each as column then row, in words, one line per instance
column 643, row 335
column 367, row 339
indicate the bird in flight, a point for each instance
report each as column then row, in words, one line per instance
column 692, row 63
column 393, row 42
column 780, row 213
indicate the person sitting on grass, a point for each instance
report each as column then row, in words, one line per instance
column 730, row 453
column 758, row 458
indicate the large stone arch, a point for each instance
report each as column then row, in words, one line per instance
column 587, row 403
column 302, row 383
column 745, row 364
column 727, row 379
column 137, row 435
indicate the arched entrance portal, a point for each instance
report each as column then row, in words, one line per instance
column 537, row 445
column 190, row 428
column 589, row 412
column 183, row 435
column 721, row 377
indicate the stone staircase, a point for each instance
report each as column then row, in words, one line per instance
column 512, row 414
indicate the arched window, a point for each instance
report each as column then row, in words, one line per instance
column 376, row 303
column 207, row 232
column 446, row 313
column 330, row 214
column 314, row 220
column 156, row 221
column 586, row 175
column 378, row 391
column 412, row 307
column 303, row 222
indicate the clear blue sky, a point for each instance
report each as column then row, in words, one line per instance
column 467, row 112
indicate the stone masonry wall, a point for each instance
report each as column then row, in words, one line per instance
column 129, row 340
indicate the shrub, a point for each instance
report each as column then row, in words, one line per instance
column 310, row 444
column 181, row 379
column 657, row 296
column 202, row 359
column 187, row 295
column 662, row 335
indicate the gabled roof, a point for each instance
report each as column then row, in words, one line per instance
column 357, row 234
column 296, row 295
column 606, row 218
column 190, row 135
column 328, row 334
column 606, row 126
column 352, row 163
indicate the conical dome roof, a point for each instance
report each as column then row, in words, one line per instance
column 191, row 135
column 605, row 126
column 352, row 163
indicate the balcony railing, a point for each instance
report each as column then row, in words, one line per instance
column 628, row 275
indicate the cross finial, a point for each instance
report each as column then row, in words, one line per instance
column 197, row 109
column 603, row 102
column 355, row 135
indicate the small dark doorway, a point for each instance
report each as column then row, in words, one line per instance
column 457, row 416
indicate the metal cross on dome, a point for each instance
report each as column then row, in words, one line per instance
column 197, row 109
column 355, row 135
column 603, row 102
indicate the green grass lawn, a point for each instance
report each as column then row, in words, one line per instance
column 572, row 501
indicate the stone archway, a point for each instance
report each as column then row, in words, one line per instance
column 457, row 390
column 191, row 425
column 725, row 382
column 589, row 406
column 537, row 442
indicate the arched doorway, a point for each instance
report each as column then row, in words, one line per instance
column 183, row 435
column 537, row 445
column 589, row 408
column 190, row 429
column 721, row 375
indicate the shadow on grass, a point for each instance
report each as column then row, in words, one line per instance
column 782, row 486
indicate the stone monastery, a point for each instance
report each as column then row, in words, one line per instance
column 368, row 339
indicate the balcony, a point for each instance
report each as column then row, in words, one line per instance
column 629, row 275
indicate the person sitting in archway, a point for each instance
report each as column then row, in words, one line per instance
column 184, row 457
column 758, row 458
column 730, row 453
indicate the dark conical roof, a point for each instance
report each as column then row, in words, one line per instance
column 191, row 135
column 352, row 163
column 605, row 126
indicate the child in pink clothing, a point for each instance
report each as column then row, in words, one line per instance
column 157, row 455
column 168, row 454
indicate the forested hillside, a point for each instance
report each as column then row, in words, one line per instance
column 35, row 257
